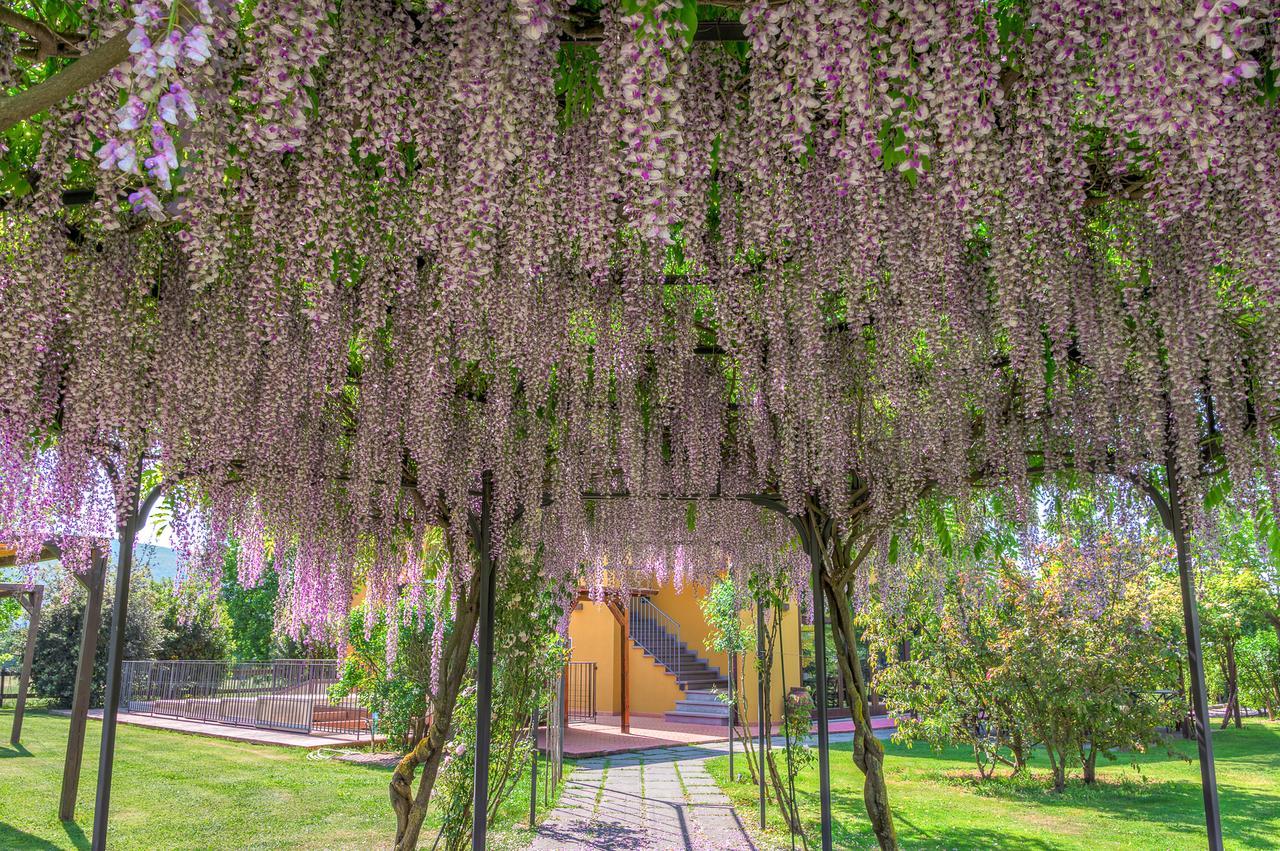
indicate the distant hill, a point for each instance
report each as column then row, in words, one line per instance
column 161, row 561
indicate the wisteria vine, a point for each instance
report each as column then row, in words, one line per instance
column 364, row 253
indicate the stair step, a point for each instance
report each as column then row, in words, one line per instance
column 681, row 717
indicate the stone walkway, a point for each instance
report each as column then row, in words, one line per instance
column 656, row 800
column 652, row 800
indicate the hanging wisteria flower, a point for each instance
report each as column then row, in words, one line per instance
column 144, row 202
column 116, row 154
column 165, row 46
column 883, row 249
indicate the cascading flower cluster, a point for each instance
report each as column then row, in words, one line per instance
column 289, row 39
column 167, row 40
column 888, row 248
column 652, row 68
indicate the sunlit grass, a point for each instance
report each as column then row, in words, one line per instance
column 174, row 791
column 939, row 804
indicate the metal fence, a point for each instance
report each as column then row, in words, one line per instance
column 546, row 780
column 283, row 694
column 580, row 691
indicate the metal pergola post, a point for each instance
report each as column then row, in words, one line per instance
column 820, row 662
column 732, row 717
column 763, row 728
column 134, row 517
column 484, row 669
column 533, row 764
column 1171, row 514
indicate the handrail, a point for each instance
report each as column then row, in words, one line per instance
column 658, row 633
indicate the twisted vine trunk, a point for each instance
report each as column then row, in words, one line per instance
column 868, row 751
column 411, row 807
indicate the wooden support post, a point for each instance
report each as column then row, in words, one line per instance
column 31, row 601
column 93, row 582
column 621, row 615
column 625, row 669
column 134, row 517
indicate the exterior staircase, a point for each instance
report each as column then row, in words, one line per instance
column 658, row 635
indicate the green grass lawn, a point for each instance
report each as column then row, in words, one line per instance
column 175, row 791
column 937, row 802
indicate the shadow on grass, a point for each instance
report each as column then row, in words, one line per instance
column 12, row 839
column 12, row 751
column 75, row 834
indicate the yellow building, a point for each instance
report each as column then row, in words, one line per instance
column 651, row 656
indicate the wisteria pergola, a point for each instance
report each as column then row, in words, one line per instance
column 327, row 275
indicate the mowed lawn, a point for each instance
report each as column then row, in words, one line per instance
column 938, row 804
column 175, row 791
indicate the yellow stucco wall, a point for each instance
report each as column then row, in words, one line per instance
column 786, row 656
column 595, row 637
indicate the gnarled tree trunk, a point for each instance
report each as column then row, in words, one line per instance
column 868, row 752
column 411, row 807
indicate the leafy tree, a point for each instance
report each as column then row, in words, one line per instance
column 250, row 612
column 10, row 635
column 394, row 686
column 53, row 672
column 1258, row 659
column 191, row 625
column 1069, row 648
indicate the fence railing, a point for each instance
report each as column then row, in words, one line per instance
column 658, row 633
column 580, row 691
column 553, row 723
column 283, row 694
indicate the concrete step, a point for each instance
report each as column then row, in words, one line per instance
column 682, row 715
column 708, row 697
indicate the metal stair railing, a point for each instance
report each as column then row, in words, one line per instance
column 658, row 633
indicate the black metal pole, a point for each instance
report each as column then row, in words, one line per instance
column 93, row 583
column 762, row 715
column 1195, row 659
column 134, row 518
column 733, row 707
column 533, row 765
column 820, row 662
column 484, row 670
